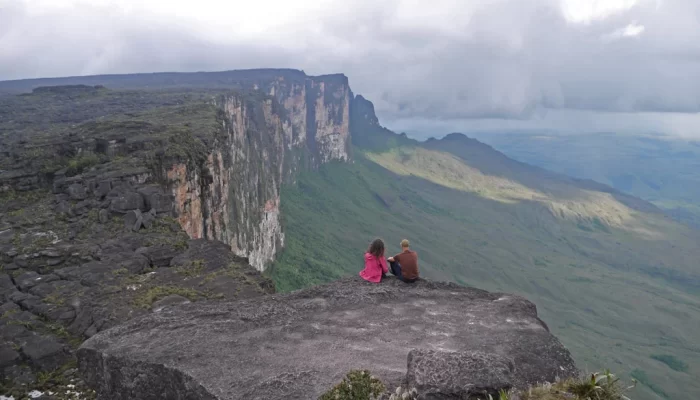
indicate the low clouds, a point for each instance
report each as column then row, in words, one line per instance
column 441, row 61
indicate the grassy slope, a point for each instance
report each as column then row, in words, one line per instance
column 662, row 170
column 616, row 294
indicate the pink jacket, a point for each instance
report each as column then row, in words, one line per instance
column 374, row 267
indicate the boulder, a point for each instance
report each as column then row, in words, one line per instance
column 8, row 356
column 458, row 374
column 103, row 216
column 148, row 218
column 45, row 352
column 63, row 208
column 6, row 286
column 30, row 279
column 126, row 202
column 300, row 344
column 133, row 220
column 82, row 207
column 77, row 191
column 158, row 255
column 156, row 199
column 102, row 188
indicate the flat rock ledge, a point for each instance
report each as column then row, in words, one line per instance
column 462, row 341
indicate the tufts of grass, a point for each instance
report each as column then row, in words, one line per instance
column 195, row 269
column 9, row 313
column 599, row 386
column 26, row 324
column 82, row 162
column 120, row 272
column 361, row 385
column 151, row 295
column 55, row 299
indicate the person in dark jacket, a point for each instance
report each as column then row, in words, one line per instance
column 405, row 264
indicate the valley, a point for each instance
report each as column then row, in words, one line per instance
column 660, row 169
column 613, row 276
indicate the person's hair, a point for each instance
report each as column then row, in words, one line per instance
column 404, row 243
column 376, row 248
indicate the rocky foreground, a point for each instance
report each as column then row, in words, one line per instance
column 445, row 340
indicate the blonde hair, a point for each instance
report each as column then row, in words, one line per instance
column 404, row 243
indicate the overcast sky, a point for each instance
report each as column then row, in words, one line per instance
column 430, row 67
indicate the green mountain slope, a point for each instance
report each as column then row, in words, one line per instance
column 614, row 278
column 663, row 170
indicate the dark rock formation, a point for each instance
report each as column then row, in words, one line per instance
column 457, row 341
column 218, row 162
column 72, row 265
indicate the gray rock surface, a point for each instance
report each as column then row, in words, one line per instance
column 459, row 375
column 298, row 345
column 171, row 300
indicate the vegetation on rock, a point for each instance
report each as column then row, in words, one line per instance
column 357, row 385
column 360, row 385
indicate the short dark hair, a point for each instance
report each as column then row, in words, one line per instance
column 376, row 248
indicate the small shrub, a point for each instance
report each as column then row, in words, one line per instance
column 357, row 385
column 80, row 163
column 598, row 386
column 195, row 269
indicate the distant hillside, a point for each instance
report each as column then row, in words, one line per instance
column 615, row 278
column 661, row 169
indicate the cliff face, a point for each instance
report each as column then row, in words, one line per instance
column 270, row 124
column 233, row 195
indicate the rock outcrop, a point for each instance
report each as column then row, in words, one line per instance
column 234, row 195
column 225, row 164
column 77, row 262
column 445, row 340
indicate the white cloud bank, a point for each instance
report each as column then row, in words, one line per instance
column 448, row 63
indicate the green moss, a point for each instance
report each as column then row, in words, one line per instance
column 153, row 294
column 120, row 272
column 55, row 299
column 26, row 324
column 195, row 269
column 16, row 213
column 81, row 162
column 9, row 313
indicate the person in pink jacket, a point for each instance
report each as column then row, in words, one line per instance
column 375, row 263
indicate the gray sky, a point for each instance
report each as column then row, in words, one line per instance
column 430, row 67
